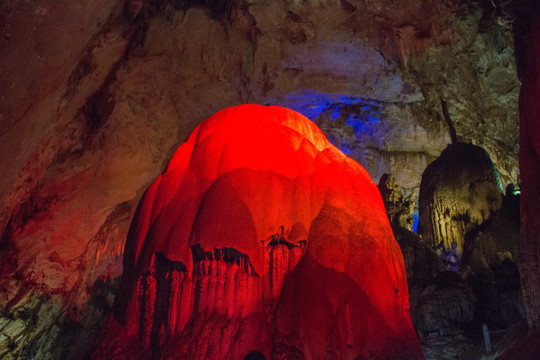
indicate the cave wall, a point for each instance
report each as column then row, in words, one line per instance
column 99, row 94
column 529, row 158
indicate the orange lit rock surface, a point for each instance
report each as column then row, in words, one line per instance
column 260, row 236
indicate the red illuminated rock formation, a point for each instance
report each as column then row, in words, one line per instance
column 98, row 94
column 260, row 236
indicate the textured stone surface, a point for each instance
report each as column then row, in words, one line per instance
column 98, row 95
column 526, row 349
column 400, row 210
column 499, row 240
column 498, row 297
column 445, row 306
column 460, row 191
column 421, row 261
column 205, row 276
column 529, row 157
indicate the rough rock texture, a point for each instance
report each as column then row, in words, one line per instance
column 421, row 261
column 400, row 210
column 206, row 276
column 498, row 299
column 475, row 77
column 78, row 157
column 442, row 311
column 448, row 312
column 445, row 306
column 97, row 96
column 460, row 191
column 526, row 349
column 529, row 157
column 474, row 229
column 499, row 240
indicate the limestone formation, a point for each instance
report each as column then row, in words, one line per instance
column 97, row 96
column 421, row 261
column 444, row 307
column 400, row 210
column 499, row 239
column 459, row 192
column 207, row 276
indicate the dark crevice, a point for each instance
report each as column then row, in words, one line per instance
column 451, row 128
column 84, row 67
column 471, row 237
column 219, row 9
column 347, row 6
column 165, row 266
column 5, row 239
column 229, row 255
column 159, row 286
column 523, row 14
column 99, row 106
column 8, row 262
column 255, row 355
column 31, row 208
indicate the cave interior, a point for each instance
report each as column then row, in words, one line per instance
column 252, row 179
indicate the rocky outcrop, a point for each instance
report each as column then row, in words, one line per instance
column 459, row 192
column 473, row 228
column 400, row 210
column 526, row 349
column 421, row 261
column 444, row 307
column 499, row 239
column 206, row 277
column 498, row 296
column 201, row 312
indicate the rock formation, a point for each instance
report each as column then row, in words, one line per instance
column 400, row 210
column 527, row 32
column 529, row 158
column 260, row 236
column 473, row 228
column 499, row 239
column 421, row 261
column 98, row 95
column 459, row 192
column 445, row 306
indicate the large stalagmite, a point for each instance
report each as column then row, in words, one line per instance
column 261, row 237
column 459, row 192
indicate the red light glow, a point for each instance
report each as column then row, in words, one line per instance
column 203, row 279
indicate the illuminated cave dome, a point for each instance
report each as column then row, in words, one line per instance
column 260, row 239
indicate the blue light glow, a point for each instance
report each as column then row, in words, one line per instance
column 345, row 148
column 335, row 114
column 311, row 104
column 415, row 224
column 363, row 115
